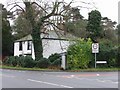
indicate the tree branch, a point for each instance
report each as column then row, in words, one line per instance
column 18, row 6
column 66, row 7
column 53, row 11
column 40, row 7
column 53, row 25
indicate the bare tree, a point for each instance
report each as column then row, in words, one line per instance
column 38, row 19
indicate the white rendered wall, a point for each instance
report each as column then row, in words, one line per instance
column 54, row 46
column 49, row 47
column 24, row 50
column 16, row 49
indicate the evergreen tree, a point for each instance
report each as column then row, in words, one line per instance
column 94, row 25
column 7, row 38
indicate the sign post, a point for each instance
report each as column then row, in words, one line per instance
column 95, row 49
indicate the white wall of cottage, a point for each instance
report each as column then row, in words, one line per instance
column 49, row 47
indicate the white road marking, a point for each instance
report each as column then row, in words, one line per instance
column 99, row 80
column 66, row 86
column 21, row 71
column 49, row 83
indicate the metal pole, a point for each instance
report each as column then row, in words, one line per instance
column 95, row 60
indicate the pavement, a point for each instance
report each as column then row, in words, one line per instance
column 39, row 79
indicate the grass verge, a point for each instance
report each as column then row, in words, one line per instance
column 29, row 69
column 96, row 70
column 73, row 70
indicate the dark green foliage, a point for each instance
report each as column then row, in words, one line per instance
column 43, row 63
column 26, row 61
column 6, row 61
column 54, row 57
column 22, row 61
column 55, row 60
column 56, row 63
column 29, row 62
column 118, row 33
column 7, row 38
column 94, row 25
column 118, row 30
column 37, row 45
column 108, row 52
column 109, row 31
column 77, row 28
column 118, row 56
column 12, row 61
column 21, row 26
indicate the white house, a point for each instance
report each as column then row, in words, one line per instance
column 52, row 43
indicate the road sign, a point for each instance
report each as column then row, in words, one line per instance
column 95, row 48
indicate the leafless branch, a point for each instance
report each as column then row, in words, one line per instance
column 16, row 5
column 40, row 7
column 84, row 2
column 48, row 22
column 53, row 11
column 66, row 7
column 84, row 7
column 13, row 3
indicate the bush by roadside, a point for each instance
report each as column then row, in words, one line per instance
column 22, row 61
column 43, row 63
column 79, row 54
column 53, row 61
column 108, row 52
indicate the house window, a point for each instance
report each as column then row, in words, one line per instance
column 20, row 45
column 29, row 47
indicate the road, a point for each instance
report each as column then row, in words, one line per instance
column 39, row 79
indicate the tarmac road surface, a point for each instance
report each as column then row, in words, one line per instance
column 39, row 79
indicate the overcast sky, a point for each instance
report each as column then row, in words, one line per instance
column 108, row 8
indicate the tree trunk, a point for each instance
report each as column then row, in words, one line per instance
column 37, row 42
column 36, row 26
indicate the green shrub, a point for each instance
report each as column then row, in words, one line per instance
column 55, row 60
column 21, row 61
column 7, row 61
column 118, row 56
column 43, row 63
column 29, row 62
column 14, row 61
column 79, row 54
column 11, row 61
column 56, row 63
column 54, row 57
column 108, row 52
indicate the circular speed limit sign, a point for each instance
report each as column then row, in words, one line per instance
column 95, row 48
